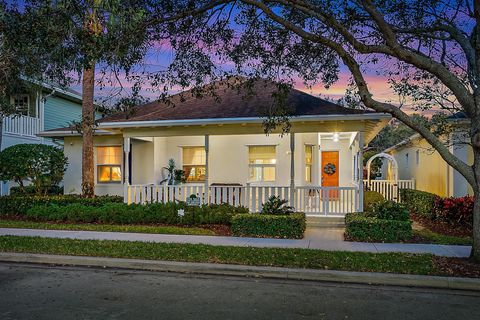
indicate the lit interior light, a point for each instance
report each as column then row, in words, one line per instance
column 336, row 137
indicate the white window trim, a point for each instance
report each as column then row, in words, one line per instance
column 122, row 171
column 311, row 164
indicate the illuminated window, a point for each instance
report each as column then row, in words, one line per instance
column 109, row 164
column 261, row 163
column 308, row 163
column 22, row 103
column 194, row 163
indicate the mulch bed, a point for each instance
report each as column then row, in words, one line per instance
column 457, row 267
column 442, row 227
column 219, row 229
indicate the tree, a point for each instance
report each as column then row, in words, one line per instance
column 429, row 51
column 42, row 165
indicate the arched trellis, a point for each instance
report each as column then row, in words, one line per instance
column 387, row 156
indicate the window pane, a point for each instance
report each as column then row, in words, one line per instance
column 103, row 174
column 269, row 174
column 109, row 155
column 194, row 173
column 308, row 154
column 116, row 174
column 21, row 102
column 194, row 156
column 308, row 173
column 255, row 174
column 261, row 155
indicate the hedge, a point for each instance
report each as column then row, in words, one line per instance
column 388, row 210
column 20, row 204
column 275, row 226
column 359, row 227
column 419, row 202
column 120, row 213
column 455, row 211
column 370, row 198
column 30, row 190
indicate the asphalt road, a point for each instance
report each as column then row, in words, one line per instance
column 41, row 292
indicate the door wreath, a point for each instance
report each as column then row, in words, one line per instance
column 329, row 169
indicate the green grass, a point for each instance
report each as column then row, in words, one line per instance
column 281, row 257
column 437, row 238
column 105, row 227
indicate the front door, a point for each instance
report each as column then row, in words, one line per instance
column 330, row 171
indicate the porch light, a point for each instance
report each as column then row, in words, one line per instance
column 336, row 137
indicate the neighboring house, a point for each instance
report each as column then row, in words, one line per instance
column 227, row 157
column 47, row 108
column 417, row 160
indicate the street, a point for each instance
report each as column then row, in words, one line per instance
column 42, row 292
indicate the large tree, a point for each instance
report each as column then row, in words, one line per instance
column 428, row 50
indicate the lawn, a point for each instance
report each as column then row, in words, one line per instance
column 281, row 257
column 106, row 227
column 428, row 236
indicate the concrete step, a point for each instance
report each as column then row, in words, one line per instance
column 328, row 222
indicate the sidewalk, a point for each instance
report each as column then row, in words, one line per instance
column 309, row 242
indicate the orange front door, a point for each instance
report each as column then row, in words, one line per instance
column 330, row 171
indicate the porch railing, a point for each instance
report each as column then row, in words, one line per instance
column 390, row 189
column 22, row 125
column 313, row 200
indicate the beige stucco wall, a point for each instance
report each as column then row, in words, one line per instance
column 228, row 158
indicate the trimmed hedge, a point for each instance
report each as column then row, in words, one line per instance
column 20, row 204
column 30, row 190
column 370, row 198
column 120, row 213
column 419, row 202
column 359, row 227
column 455, row 211
column 275, row 226
column 389, row 210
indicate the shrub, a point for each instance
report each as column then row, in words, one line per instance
column 30, row 190
column 276, row 226
column 40, row 164
column 18, row 205
column 120, row 213
column 389, row 210
column 419, row 202
column 359, row 227
column 276, row 206
column 370, row 198
column 455, row 211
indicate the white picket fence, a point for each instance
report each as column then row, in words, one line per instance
column 313, row 200
column 22, row 125
column 390, row 189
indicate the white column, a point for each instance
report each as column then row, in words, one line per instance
column 292, row 169
column 126, row 171
column 361, row 142
column 207, row 147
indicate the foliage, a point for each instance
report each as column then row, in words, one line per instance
column 276, row 206
column 174, row 175
column 455, row 211
column 394, row 262
column 419, row 202
column 428, row 236
column 30, row 190
column 40, row 164
column 359, row 227
column 18, row 205
column 375, row 166
column 276, row 226
column 389, row 210
column 370, row 198
column 120, row 213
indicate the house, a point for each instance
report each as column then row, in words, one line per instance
column 45, row 108
column 219, row 141
column 416, row 159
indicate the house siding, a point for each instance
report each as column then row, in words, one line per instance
column 59, row 112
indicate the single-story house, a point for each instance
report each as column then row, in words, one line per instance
column 220, row 143
column 416, row 159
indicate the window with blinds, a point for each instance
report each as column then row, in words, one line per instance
column 109, row 164
column 308, row 163
column 194, row 163
column 262, row 163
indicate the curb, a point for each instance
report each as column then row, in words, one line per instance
column 371, row 278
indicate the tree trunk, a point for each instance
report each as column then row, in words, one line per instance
column 475, row 255
column 1, row 132
column 88, row 122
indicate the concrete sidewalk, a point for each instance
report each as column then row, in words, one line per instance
column 309, row 242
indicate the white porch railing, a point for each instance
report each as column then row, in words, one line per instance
column 313, row 200
column 390, row 189
column 22, row 125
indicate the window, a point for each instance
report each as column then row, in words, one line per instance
column 308, row 163
column 23, row 104
column 406, row 160
column 109, row 164
column 417, row 157
column 194, row 163
column 261, row 163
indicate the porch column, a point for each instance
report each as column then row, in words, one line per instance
column 361, row 142
column 207, row 147
column 292, row 169
column 126, row 169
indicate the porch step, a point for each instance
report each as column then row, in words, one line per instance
column 322, row 221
